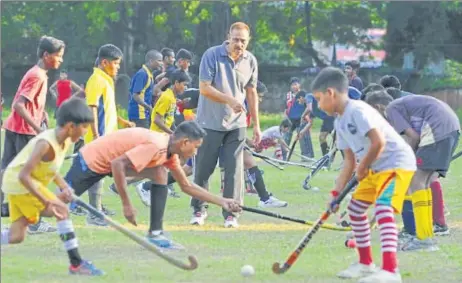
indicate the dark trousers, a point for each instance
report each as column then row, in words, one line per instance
column 232, row 143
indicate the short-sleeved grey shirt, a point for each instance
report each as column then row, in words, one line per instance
column 230, row 78
column 352, row 128
column 431, row 118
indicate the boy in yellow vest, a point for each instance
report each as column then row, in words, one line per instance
column 26, row 179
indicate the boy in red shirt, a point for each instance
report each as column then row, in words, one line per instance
column 28, row 108
column 64, row 88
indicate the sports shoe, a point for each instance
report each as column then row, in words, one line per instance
column 107, row 211
column 40, row 227
column 77, row 210
column 172, row 193
column 145, row 195
column 96, row 221
column 198, row 218
column 163, row 242
column 357, row 270
column 403, row 238
column 441, row 230
column 85, row 268
column 231, row 222
column 420, row 245
column 382, row 276
column 272, row 202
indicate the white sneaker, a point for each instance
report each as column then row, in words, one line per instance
column 357, row 270
column 382, row 276
column 198, row 218
column 272, row 202
column 145, row 195
column 231, row 222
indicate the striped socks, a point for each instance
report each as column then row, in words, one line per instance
column 388, row 237
column 423, row 213
column 361, row 229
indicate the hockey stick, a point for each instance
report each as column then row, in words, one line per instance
column 296, row 220
column 457, row 155
column 70, row 156
column 264, row 157
column 278, row 268
column 318, row 165
column 143, row 242
column 292, row 149
column 272, row 163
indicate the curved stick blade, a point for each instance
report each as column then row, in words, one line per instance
column 193, row 264
column 277, row 269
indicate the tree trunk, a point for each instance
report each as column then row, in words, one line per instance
column 310, row 49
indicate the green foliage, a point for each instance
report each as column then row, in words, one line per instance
column 451, row 79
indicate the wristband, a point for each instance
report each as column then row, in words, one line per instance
column 334, row 193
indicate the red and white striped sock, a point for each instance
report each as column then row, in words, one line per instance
column 361, row 229
column 388, row 237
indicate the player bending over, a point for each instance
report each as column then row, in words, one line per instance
column 143, row 154
column 385, row 169
column 26, row 179
column 432, row 129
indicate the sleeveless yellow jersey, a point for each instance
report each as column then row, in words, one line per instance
column 44, row 173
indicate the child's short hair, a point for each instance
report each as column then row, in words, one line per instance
column 330, row 77
column 390, row 81
column 353, row 64
column 379, row 97
column 74, row 110
column 50, row 45
column 190, row 130
column 109, row 52
column 395, row 93
column 285, row 124
column 261, row 88
column 370, row 88
column 183, row 54
column 167, row 52
column 179, row 76
column 151, row 55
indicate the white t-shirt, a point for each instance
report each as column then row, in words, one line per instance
column 273, row 133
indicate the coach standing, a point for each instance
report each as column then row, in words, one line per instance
column 228, row 76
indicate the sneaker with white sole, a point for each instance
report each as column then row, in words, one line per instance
column 96, row 221
column 145, row 195
column 357, row 270
column 441, row 230
column 272, row 202
column 231, row 222
column 40, row 227
column 382, row 276
column 198, row 218
column 163, row 242
column 415, row 244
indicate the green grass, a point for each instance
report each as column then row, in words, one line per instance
column 221, row 253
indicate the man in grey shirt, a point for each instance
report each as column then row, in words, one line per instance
column 228, row 75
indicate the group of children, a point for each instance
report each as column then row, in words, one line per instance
column 397, row 148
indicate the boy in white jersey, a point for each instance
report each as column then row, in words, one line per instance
column 26, row 178
column 385, row 169
column 273, row 136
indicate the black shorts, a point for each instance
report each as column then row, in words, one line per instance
column 142, row 123
column 327, row 125
column 80, row 177
column 13, row 144
column 437, row 157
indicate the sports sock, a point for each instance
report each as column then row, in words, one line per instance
column 158, row 201
column 5, row 237
column 95, row 194
column 438, row 203
column 361, row 229
column 324, row 148
column 408, row 216
column 422, row 206
column 66, row 233
column 388, row 237
column 256, row 179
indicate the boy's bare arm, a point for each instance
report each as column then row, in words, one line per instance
column 76, row 89
column 53, row 89
column 377, row 145
column 25, row 175
column 94, row 125
column 159, row 121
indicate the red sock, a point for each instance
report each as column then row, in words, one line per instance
column 388, row 237
column 438, row 204
column 361, row 229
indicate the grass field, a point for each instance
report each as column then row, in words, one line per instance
column 221, row 253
